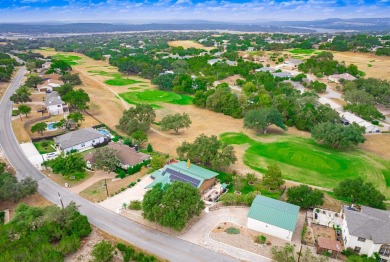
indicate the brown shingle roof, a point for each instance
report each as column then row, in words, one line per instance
column 329, row 244
column 127, row 155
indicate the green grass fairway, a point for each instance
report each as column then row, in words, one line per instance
column 303, row 160
column 154, row 97
column 70, row 59
column 118, row 80
column 298, row 51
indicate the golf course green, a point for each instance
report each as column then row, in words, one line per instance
column 154, row 97
column 118, row 78
column 303, row 160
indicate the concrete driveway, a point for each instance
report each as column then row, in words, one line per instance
column 32, row 154
column 199, row 233
column 136, row 192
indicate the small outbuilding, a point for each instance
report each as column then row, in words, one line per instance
column 328, row 246
column 273, row 217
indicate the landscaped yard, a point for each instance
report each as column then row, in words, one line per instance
column 153, row 97
column 118, row 80
column 241, row 184
column 45, row 146
column 303, row 160
column 70, row 59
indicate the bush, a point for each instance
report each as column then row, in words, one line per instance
column 102, row 252
column 15, row 112
column 230, row 199
column 375, row 122
column 232, row 231
column 120, row 172
column 68, row 244
column 149, row 148
column 261, row 239
column 135, row 205
column 129, row 254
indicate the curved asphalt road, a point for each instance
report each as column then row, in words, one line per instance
column 162, row 245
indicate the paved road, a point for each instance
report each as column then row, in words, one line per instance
column 165, row 246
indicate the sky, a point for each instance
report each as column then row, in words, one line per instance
column 213, row 10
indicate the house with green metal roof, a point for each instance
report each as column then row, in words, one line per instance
column 273, row 217
column 195, row 175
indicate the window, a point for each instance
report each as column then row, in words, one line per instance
column 345, row 240
column 384, row 250
column 361, row 239
column 357, row 250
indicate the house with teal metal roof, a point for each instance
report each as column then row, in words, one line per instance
column 273, row 217
column 195, row 175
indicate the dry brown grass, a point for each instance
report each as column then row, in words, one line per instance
column 380, row 67
column 61, row 180
column 231, row 80
column 188, row 44
column 97, row 192
column 35, row 200
column 377, row 144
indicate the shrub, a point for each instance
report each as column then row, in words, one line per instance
column 129, row 254
column 149, row 148
column 15, row 112
column 102, row 252
column 135, row 205
column 232, row 231
column 261, row 239
column 375, row 122
column 127, row 141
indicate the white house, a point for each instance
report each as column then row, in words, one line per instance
column 336, row 78
column 80, row 140
column 367, row 230
column 54, row 104
column 273, row 217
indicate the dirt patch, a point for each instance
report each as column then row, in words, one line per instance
column 245, row 239
column 35, row 200
column 231, row 80
column 380, row 65
column 377, row 144
column 331, row 203
column 188, row 44
column 97, row 192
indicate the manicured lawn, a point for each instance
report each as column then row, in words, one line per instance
column 44, row 149
column 241, row 184
column 299, row 51
column 70, row 59
column 118, row 79
column 303, row 160
column 154, row 97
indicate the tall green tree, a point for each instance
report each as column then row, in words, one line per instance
column 23, row 109
column 21, row 95
column 209, row 151
column 260, row 119
column 304, row 196
column 139, row 137
column 175, row 122
column 272, row 177
column 73, row 79
column 338, row 135
column 137, row 118
column 106, row 159
column 64, row 89
column 359, row 192
column 172, row 206
column 77, row 99
column 12, row 189
column 33, row 81
column 39, row 127
column 67, row 165
column 76, row 117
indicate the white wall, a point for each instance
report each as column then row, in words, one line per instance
column 367, row 247
column 55, row 110
column 85, row 145
column 269, row 229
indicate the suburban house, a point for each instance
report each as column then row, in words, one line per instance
column 293, row 62
column 54, row 104
column 336, row 78
column 81, row 139
column 128, row 156
column 197, row 176
column 367, row 230
column 216, row 60
column 265, row 69
column 49, row 83
column 273, row 217
column 282, row 74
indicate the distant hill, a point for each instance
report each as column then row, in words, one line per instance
column 356, row 24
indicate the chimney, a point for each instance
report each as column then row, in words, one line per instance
column 136, row 148
column 188, row 163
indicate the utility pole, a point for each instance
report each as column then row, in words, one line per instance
column 59, row 196
column 105, row 183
